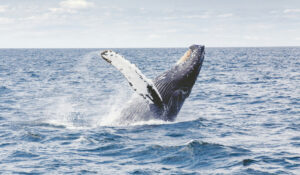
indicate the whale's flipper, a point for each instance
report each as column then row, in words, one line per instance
column 142, row 85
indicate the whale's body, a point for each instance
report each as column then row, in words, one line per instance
column 164, row 96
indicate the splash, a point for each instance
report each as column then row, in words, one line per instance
column 63, row 112
column 110, row 111
column 81, row 105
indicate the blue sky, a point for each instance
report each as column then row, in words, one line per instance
column 148, row 23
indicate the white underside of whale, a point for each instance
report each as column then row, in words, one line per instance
column 139, row 82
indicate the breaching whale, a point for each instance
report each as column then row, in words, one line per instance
column 164, row 96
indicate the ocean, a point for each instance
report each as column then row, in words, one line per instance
column 58, row 109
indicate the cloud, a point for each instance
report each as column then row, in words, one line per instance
column 225, row 15
column 75, row 4
column 154, row 36
column 3, row 8
column 291, row 11
column 71, row 6
column 197, row 16
column 274, row 12
column 6, row 20
column 254, row 38
column 170, row 18
column 204, row 16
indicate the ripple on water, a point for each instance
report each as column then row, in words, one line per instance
column 193, row 155
column 4, row 90
column 23, row 154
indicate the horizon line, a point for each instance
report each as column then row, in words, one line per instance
column 144, row 47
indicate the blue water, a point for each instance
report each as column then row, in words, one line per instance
column 57, row 108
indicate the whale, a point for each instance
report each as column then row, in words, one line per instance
column 160, row 98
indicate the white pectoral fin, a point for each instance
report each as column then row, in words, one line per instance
column 142, row 85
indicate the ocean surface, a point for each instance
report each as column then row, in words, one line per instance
column 58, row 109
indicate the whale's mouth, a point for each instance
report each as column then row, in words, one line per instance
column 186, row 56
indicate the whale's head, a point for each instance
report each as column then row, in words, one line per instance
column 176, row 84
column 187, row 68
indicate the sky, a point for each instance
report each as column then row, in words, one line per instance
column 148, row 23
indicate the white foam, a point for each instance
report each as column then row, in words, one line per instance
column 151, row 122
column 60, row 112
